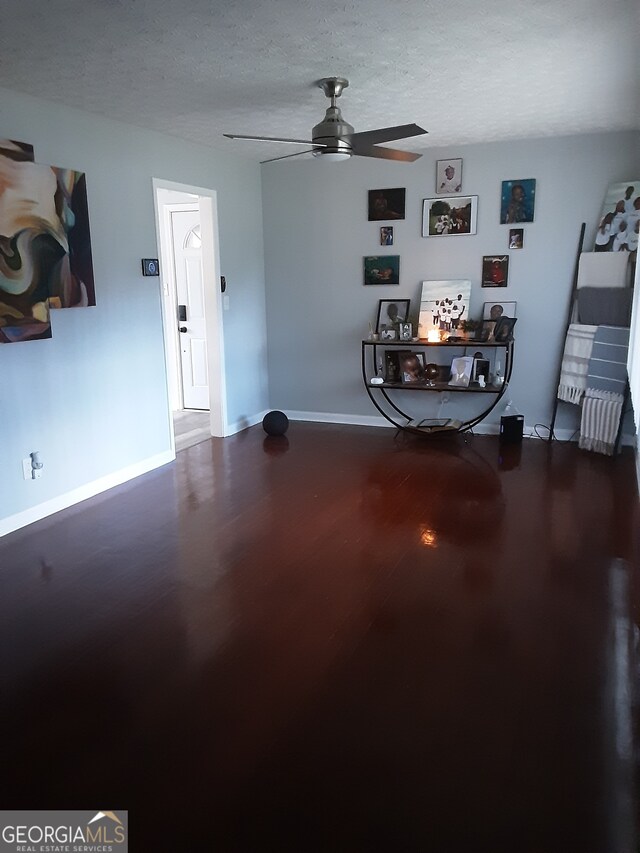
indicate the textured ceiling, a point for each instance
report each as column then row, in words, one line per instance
column 464, row 70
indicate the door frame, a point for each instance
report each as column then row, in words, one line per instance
column 213, row 305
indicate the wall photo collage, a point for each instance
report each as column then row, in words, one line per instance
column 450, row 212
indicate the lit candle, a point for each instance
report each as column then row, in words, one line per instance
column 433, row 336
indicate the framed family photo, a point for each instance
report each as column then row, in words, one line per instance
column 449, row 217
column 448, row 177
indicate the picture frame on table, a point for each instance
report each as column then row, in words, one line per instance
column 461, row 369
column 503, row 331
column 388, row 335
column 391, row 312
column 405, row 331
column 452, row 216
column 412, row 365
column 496, row 309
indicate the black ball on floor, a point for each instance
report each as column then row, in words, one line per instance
column 275, row 423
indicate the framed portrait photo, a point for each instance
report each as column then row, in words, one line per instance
column 382, row 269
column 494, row 310
column 412, row 365
column 448, row 177
column 386, row 204
column 618, row 224
column 503, row 330
column 392, row 312
column 518, row 201
column 495, row 270
column 449, row 217
column 516, row 238
column 386, row 235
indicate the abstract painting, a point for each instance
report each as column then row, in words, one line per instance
column 45, row 246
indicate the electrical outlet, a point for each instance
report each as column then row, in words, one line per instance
column 37, row 473
column 26, row 468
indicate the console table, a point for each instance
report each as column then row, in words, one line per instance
column 391, row 410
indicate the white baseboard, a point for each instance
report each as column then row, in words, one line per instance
column 88, row 490
column 245, row 423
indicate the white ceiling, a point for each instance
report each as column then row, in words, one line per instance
column 467, row 71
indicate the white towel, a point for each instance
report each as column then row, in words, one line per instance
column 603, row 269
column 575, row 361
column 600, row 421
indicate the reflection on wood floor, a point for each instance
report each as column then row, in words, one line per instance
column 191, row 426
column 335, row 641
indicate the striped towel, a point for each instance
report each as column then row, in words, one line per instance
column 605, row 392
column 575, row 361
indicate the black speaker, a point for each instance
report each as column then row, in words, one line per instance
column 511, row 428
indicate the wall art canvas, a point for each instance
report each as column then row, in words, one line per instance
column 443, row 305
column 386, row 204
column 448, row 177
column 495, row 270
column 45, row 247
column 518, row 201
column 619, row 220
column 449, row 217
column 382, row 269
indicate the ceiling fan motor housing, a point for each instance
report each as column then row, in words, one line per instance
column 331, row 131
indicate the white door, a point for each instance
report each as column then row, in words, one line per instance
column 187, row 259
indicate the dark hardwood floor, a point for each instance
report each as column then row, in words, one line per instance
column 338, row 641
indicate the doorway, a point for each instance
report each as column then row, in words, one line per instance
column 186, row 224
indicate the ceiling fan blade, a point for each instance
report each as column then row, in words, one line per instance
column 385, row 134
column 387, row 153
column 286, row 156
column 275, row 139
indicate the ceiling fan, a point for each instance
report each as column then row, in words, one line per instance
column 335, row 139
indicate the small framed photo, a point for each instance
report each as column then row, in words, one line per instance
column 518, row 201
column 386, row 204
column 494, row 310
column 495, row 270
column 391, row 312
column 448, row 177
column 481, row 367
column 383, row 269
column 449, row 217
column 388, row 335
column 392, row 365
column 503, row 331
column 485, row 333
column 412, row 366
column 516, row 238
column 386, row 235
column 405, row 331
column 461, row 369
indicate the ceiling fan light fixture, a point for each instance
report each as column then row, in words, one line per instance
column 333, row 156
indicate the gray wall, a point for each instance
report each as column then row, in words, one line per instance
column 93, row 398
column 316, row 234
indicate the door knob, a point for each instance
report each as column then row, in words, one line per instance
column 182, row 329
